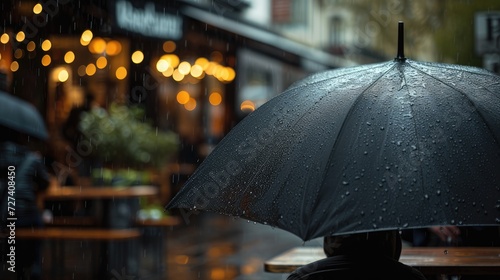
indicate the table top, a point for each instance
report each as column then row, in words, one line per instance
column 98, row 192
column 429, row 260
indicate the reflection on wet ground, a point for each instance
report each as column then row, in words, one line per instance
column 211, row 247
column 217, row 247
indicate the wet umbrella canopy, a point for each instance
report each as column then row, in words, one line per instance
column 21, row 116
column 401, row 144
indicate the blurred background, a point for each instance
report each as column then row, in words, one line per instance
column 112, row 77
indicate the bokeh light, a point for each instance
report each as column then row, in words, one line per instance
column 14, row 66
column 113, row 47
column 63, row 75
column 137, row 57
column 121, row 73
column 20, row 36
column 86, row 37
column 215, row 98
column 184, row 68
column 46, row 60
column 169, row 46
column 101, row 62
column 37, row 9
column 46, row 45
column 247, row 106
column 30, row 46
column 90, row 69
column 69, row 57
column 190, row 105
column 4, row 39
column 183, row 97
column 82, row 70
column 97, row 45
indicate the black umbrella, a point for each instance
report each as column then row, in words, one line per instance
column 395, row 145
column 21, row 116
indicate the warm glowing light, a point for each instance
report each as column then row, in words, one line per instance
column 162, row 65
column 84, row 43
column 217, row 71
column 169, row 72
column 169, row 46
column 90, row 69
column 181, row 259
column 177, row 75
column 82, row 70
column 247, row 106
column 137, row 57
column 4, row 39
column 46, row 60
column 86, row 36
column 121, row 73
column 210, row 69
column 69, row 57
column 113, row 47
column 184, row 68
column 231, row 74
column 215, row 98
column 97, row 45
column 196, row 71
column 46, row 45
column 18, row 53
column 37, row 9
column 183, row 97
column 218, row 273
column 203, row 62
column 14, row 66
column 172, row 59
column 63, row 75
column 190, row 105
column 31, row 46
column 20, row 36
column 101, row 62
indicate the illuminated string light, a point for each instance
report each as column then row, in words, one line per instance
column 69, row 57
column 137, row 57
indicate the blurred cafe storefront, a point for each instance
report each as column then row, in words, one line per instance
column 194, row 71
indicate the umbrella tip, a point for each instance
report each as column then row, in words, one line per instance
column 401, row 46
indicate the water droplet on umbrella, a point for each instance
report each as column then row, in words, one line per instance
column 438, row 192
column 345, row 183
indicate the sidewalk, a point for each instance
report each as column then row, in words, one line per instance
column 218, row 247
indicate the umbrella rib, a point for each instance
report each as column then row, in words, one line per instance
column 452, row 67
column 336, row 77
column 465, row 96
column 349, row 113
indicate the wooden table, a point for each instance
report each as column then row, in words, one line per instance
column 111, row 217
column 429, row 260
column 96, row 192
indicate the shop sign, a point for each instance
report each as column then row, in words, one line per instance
column 147, row 21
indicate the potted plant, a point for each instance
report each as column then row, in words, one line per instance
column 127, row 146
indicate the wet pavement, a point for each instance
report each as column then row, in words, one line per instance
column 218, row 247
column 211, row 246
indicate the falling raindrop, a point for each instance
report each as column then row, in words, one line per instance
column 445, row 252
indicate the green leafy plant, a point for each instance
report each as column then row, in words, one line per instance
column 118, row 136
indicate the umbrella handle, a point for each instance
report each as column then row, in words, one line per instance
column 401, row 44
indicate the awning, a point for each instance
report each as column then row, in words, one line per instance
column 309, row 56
